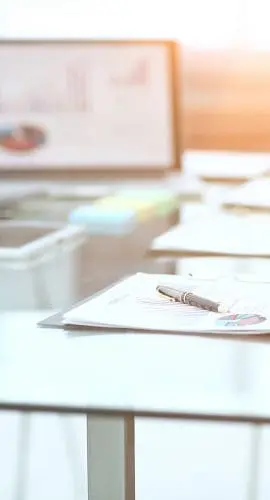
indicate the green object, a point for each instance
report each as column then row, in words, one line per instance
column 164, row 201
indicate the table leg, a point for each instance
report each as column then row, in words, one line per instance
column 23, row 457
column 255, row 462
column 110, row 457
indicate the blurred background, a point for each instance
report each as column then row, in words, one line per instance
column 66, row 236
column 226, row 55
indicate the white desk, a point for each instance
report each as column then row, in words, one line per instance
column 187, row 186
column 125, row 376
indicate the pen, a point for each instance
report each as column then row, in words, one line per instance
column 191, row 299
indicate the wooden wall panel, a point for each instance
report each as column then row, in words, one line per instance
column 226, row 101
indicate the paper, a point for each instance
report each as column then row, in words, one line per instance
column 231, row 165
column 135, row 304
column 222, row 234
column 253, row 194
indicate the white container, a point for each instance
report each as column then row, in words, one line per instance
column 39, row 265
column 115, row 247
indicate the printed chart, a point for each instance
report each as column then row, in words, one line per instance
column 240, row 320
column 87, row 105
column 67, row 90
column 23, row 138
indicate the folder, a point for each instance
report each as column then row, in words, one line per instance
column 134, row 305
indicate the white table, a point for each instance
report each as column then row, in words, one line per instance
column 112, row 379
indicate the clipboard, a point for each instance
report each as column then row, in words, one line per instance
column 55, row 322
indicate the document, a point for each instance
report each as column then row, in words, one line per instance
column 252, row 194
column 135, row 304
column 222, row 234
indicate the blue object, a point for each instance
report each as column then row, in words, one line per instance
column 104, row 220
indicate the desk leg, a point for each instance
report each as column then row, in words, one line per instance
column 255, row 462
column 23, row 457
column 110, row 457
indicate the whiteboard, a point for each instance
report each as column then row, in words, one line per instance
column 66, row 105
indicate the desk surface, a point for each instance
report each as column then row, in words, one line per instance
column 185, row 186
column 142, row 375
column 207, row 165
column 222, row 235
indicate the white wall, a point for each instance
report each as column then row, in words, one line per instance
column 200, row 24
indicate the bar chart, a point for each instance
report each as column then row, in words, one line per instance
column 137, row 76
column 65, row 88
column 89, row 104
column 61, row 90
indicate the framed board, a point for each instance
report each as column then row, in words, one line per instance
column 89, row 105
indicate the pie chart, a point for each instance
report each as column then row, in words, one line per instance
column 21, row 138
column 236, row 320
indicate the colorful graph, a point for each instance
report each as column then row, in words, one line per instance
column 21, row 138
column 237, row 320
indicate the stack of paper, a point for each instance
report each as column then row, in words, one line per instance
column 225, row 165
column 219, row 234
column 252, row 195
column 134, row 304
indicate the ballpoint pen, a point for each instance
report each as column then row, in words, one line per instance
column 191, row 299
